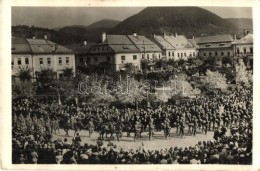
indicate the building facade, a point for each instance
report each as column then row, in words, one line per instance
column 219, row 46
column 38, row 54
column 243, row 48
column 176, row 46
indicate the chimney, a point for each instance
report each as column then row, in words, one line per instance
column 154, row 35
column 176, row 34
column 85, row 42
column 33, row 37
column 193, row 37
column 103, row 37
column 135, row 34
column 244, row 32
column 164, row 35
column 235, row 37
column 45, row 37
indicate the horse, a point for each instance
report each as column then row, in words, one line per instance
column 128, row 128
column 111, row 128
column 118, row 130
column 103, row 129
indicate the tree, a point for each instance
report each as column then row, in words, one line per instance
column 68, row 72
column 181, row 87
column 23, row 89
column 45, row 76
column 242, row 75
column 144, row 64
column 24, row 73
column 130, row 68
column 215, row 80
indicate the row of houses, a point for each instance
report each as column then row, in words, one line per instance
column 117, row 50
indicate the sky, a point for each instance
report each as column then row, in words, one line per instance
column 55, row 17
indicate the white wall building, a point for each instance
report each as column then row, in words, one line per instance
column 38, row 54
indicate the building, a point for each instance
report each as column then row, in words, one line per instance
column 149, row 50
column 243, row 48
column 81, row 53
column 38, row 54
column 115, row 51
column 167, row 48
column 215, row 46
column 176, row 46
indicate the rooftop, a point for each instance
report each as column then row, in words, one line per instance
column 214, row 39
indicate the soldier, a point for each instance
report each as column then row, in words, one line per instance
column 137, row 130
column 151, row 129
column 194, row 126
column 28, row 121
column 167, row 128
column 90, row 126
column 177, row 125
column 48, row 125
column 182, row 126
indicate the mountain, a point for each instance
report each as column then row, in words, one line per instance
column 92, row 32
column 90, row 35
column 106, row 23
column 191, row 21
column 242, row 23
column 55, row 36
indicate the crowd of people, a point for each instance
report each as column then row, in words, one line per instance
column 35, row 120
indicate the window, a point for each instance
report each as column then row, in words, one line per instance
column 49, row 61
column 96, row 59
column 204, row 54
column 19, row 61
column 142, row 56
column 159, row 55
column 26, row 61
column 244, row 50
column 173, row 54
column 238, row 51
column 108, row 58
column 178, row 54
column 134, row 57
column 81, row 60
column 228, row 53
column 60, row 61
column 12, row 62
column 222, row 53
column 185, row 54
column 147, row 56
column 40, row 61
column 251, row 50
column 181, row 54
column 216, row 53
column 122, row 57
column 94, row 49
column 210, row 54
column 67, row 61
column 194, row 54
column 169, row 53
